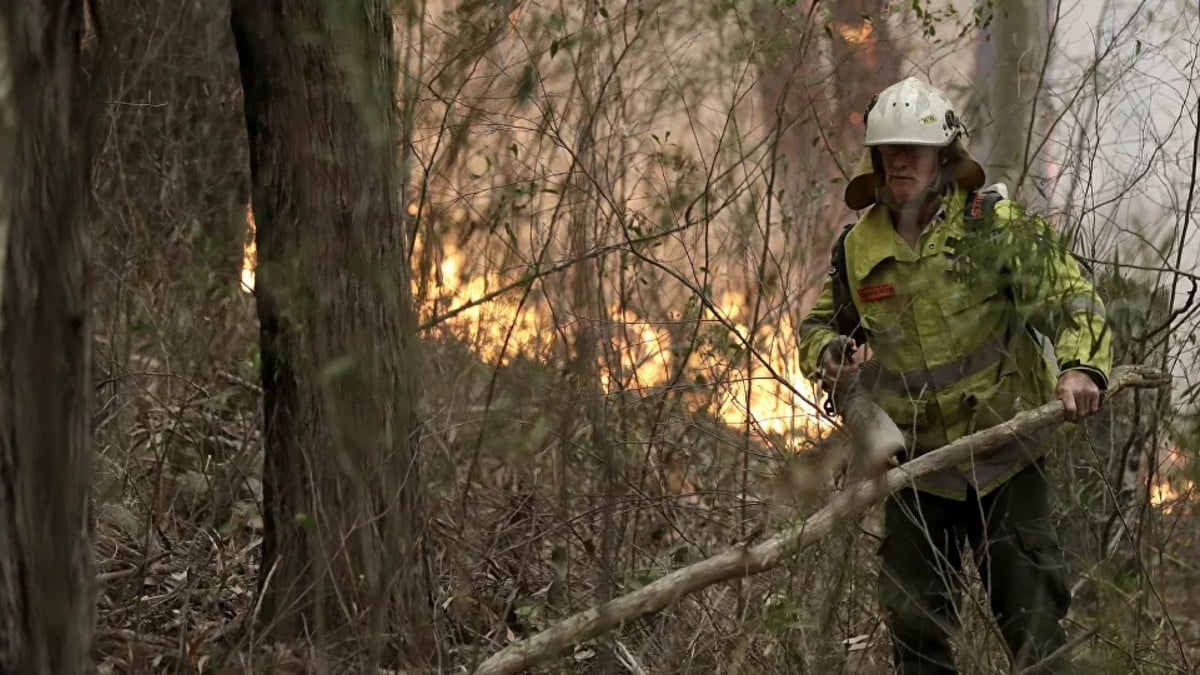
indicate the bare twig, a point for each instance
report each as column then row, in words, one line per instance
column 626, row 658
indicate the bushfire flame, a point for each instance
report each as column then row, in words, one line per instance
column 644, row 359
column 856, row 34
column 742, row 392
column 496, row 330
column 249, row 251
column 1171, row 490
column 862, row 37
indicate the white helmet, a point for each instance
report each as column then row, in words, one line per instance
column 912, row 112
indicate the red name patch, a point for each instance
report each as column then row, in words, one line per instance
column 977, row 205
column 873, row 293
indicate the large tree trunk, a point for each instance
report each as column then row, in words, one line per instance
column 46, row 602
column 341, row 484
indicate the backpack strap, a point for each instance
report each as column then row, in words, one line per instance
column 981, row 207
column 978, row 217
column 845, row 313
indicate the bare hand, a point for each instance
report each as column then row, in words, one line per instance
column 837, row 361
column 1079, row 394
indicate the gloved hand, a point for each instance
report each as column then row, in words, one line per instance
column 837, row 361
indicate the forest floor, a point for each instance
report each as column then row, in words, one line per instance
column 517, row 520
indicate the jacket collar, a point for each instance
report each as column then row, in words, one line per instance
column 874, row 239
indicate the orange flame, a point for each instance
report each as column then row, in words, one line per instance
column 642, row 351
column 1171, row 490
column 857, row 34
column 756, row 396
column 501, row 329
column 862, row 37
column 498, row 329
column 249, row 252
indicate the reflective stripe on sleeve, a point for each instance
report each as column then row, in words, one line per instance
column 1083, row 303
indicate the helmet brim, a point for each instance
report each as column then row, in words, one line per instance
column 860, row 191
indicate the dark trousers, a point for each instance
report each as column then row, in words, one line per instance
column 1014, row 544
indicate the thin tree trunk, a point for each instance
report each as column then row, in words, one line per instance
column 46, row 117
column 1013, row 77
column 816, row 109
column 342, row 502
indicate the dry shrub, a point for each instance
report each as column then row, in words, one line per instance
column 177, row 413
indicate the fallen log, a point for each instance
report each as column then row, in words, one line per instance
column 743, row 561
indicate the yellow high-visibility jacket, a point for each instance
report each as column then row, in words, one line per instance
column 949, row 322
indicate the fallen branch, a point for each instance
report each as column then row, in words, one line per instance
column 744, row 561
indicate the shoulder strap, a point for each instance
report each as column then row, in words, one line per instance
column 845, row 313
column 980, row 211
column 981, row 206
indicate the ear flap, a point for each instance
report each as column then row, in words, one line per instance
column 860, row 191
column 964, row 169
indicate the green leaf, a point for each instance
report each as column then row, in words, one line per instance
column 603, row 12
column 553, row 48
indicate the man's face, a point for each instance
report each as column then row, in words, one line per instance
column 909, row 169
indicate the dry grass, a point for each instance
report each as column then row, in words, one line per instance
column 516, row 547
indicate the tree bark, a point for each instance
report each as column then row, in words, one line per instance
column 342, row 500
column 816, row 105
column 745, row 560
column 1013, row 74
column 46, row 121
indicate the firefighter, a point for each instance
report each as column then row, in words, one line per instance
column 959, row 294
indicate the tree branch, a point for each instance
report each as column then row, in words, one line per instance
column 744, row 561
